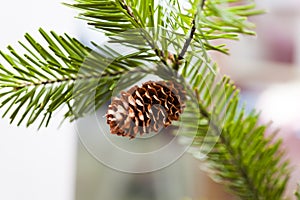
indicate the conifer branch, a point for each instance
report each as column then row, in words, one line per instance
column 239, row 139
column 144, row 33
column 42, row 80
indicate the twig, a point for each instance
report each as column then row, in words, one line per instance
column 188, row 41
column 59, row 80
column 191, row 36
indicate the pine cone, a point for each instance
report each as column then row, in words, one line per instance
column 145, row 109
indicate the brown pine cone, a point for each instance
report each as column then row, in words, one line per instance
column 145, row 109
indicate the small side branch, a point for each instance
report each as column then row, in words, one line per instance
column 145, row 34
column 191, row 36
column 188, row 41
column 129, row 11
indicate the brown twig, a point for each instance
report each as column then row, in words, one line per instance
column 191, row 36
column 188, row 41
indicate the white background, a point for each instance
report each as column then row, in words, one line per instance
column 36, row 165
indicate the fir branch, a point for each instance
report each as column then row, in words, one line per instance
column 67, row 73
column 241, row 150
column 144, row 33
column 218, row 20
column 98, row 16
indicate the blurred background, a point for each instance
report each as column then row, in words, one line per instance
column 53, row 164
